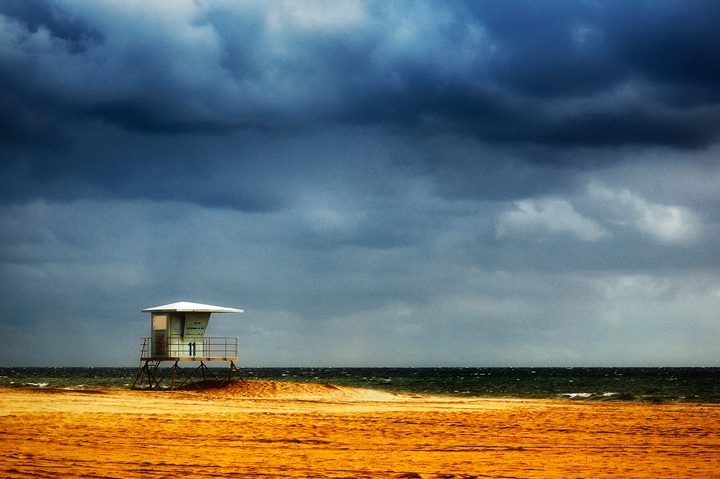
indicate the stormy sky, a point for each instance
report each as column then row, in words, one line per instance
column 420, row 183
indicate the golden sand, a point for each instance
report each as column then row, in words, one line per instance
column 270, row 429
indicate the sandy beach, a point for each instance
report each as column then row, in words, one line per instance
column 271, row 429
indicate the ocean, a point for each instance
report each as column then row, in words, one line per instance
column 701, row 385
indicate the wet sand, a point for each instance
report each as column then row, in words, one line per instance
column 268, row 429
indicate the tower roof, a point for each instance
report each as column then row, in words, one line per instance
column 187, row 307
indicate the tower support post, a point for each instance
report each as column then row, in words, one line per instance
column 151, row 376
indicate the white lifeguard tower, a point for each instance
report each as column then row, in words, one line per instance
column 178, row 334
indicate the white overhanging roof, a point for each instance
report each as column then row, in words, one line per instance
column 186, row 307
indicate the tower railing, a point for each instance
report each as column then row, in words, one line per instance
column 184, row 349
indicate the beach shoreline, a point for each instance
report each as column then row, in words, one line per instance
column 281, row 429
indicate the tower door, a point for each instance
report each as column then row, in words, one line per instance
column 159, row 335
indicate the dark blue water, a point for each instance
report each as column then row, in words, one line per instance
column 598, row 384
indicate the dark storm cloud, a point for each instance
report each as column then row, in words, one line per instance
column 550, row 49
column 538, row 81
column 556, row 49
column 74, row 32
column 497, row 70
column 30, row 115
column 555, row 75
column 114, row 101
column 674, row 44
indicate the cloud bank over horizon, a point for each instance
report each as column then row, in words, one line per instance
column 376, row 184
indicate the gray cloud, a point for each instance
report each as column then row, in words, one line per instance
column 406, row 183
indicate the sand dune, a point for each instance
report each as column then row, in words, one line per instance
column 264, row 429
column 300, row 391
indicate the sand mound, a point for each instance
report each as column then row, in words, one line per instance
column 261, row 389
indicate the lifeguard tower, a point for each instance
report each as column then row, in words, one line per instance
column 178, row 334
